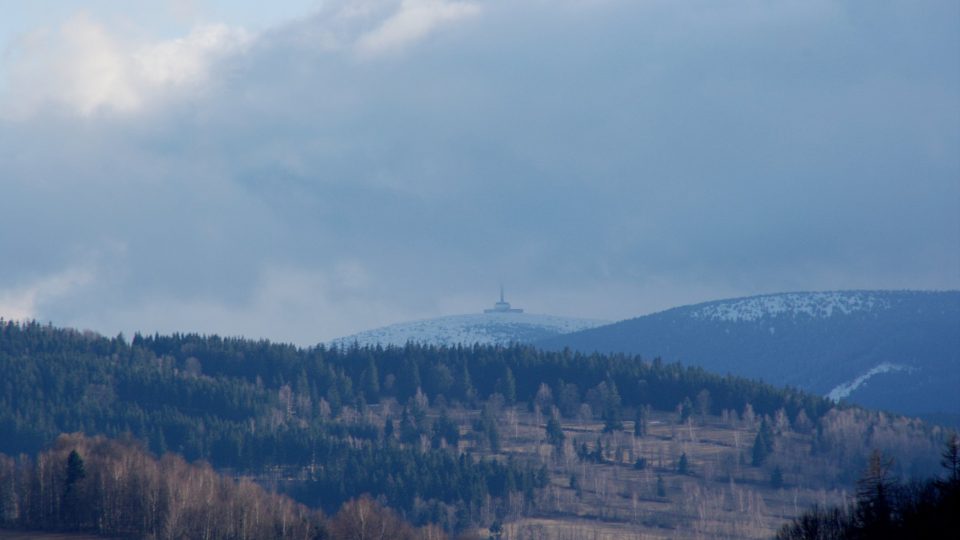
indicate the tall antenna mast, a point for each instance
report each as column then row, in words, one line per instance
column 502, row 306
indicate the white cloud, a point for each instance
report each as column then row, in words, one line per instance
column 25, row 302
column 83, row 67
column 187, row 60
column 602, row 158
column 413, row 20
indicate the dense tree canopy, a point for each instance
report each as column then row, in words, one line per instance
column 256, row 406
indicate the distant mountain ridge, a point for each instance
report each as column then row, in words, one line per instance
column 813, row 304
column 894, row 350
column 493, row 328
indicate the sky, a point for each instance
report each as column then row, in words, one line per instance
column 311, row 169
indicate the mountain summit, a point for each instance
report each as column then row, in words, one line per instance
column 896, row 350
column 500, row 325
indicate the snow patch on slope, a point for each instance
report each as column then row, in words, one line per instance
column 817, row 305
column 485, row 329
column 843, row 390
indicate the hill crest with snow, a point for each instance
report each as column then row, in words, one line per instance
column 894, row 350
column 494, row 328
column 813, row 304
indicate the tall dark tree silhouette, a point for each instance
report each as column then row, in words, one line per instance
column 640, row 421
column 950, row 458
column 611, row 407
column 555, row 434
column 873, row 495
column 72, row 491
column 762, row 444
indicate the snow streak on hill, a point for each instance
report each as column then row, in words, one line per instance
column 485, row 328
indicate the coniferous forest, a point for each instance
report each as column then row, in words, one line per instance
column 888, row 509
column 421, row 435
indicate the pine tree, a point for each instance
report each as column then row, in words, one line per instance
column 597, row 455
column 872, row 516
column 445, row 429
column 72, row 496
column 611, row 408
column 776, row 478
column 555, row 434
column 950, row 458
column 507, row 386
column 465, row 383
column 686, row 409
column 763, row 444
column 575, row 485
column 370, row 380
column 409, row 431
column 683, row 466
column 640, row 422
column 388, row 429
column 760, row 450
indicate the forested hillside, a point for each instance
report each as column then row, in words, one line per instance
column 113, row 488
column 892, row 350
column 117, row 489
column 886, row 508
column 462, row 437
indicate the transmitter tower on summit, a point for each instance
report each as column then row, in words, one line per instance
column 502, row 306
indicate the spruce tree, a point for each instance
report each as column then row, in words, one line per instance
column 763, row 444
column 555, row 434
column 72, row 497
column 776, row 478
column 950, row 458
column 370, row 379
column 874, row 495
column 640, row 422
column 507, row 386
column 686, row 410
column 611, row 408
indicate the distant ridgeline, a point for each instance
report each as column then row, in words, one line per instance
column 893, row 350
column 502, row 324
column 197, row 394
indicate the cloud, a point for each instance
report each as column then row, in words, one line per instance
column 602, row 159
column 27, row 302
column 83, row 67
column 413, row 20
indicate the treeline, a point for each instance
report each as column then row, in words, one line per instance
column 256, row 408
column 118, row 489
column 253, row 399
column 470, row 373
column 431, row 487
column 888, row 509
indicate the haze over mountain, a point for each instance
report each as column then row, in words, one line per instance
column 894, row 350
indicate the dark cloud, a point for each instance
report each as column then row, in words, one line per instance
column 604, row 159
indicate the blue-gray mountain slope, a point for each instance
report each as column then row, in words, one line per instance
column 894, row 350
